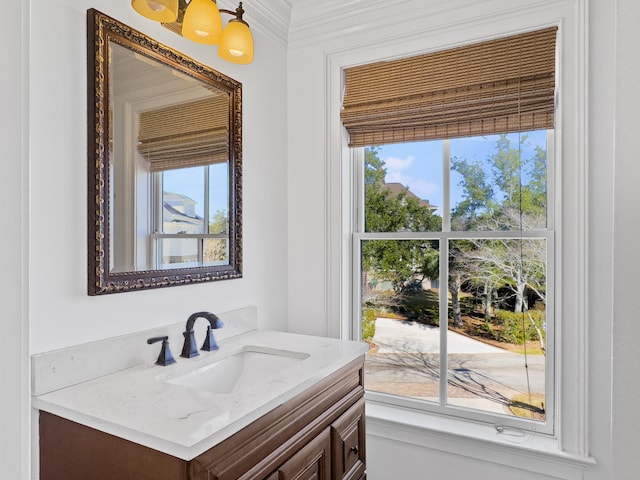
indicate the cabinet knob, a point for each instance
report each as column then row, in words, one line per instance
column 354, row 449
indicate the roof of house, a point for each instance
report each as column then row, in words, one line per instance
column 397, row 188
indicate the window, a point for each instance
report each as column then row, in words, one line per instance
column 466, row 239
column 458, row 232
column 191, row 217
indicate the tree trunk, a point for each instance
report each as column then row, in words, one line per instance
column 521, row 304
column 488, row 293
column 454, row 289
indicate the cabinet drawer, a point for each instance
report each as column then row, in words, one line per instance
column 348, row 444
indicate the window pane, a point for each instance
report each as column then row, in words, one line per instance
column 179, row 252
column 497, row 339
column 216, row 251
column 400, row 317
column 499, row 182
column 183, row 200
column 399, row 181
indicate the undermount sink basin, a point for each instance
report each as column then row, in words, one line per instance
column 234, row 372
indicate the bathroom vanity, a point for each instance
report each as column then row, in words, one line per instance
column 319, row 434
column 267, row 405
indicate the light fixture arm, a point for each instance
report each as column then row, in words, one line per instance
column 182, row 7
column 238, row 13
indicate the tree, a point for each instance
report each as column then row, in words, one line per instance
column 507, row 192
column 477, row 197
column 396, row 261
column 219, row 222
column 215, row 249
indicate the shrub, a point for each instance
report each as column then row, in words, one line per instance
column 485, row 329
column 468, row 304
column 368, row 324
column 517, row 327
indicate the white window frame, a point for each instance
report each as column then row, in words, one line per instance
column 548, row 233
column 568, row 446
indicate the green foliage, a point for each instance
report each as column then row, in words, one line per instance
column 486, row 329
column 468, row 304
column 369, row 324
column 219, row 222
column 422, row 307
column 477, row 191
column 390, row 212
column 396, row 261
column 517, row 327
column 504, row 182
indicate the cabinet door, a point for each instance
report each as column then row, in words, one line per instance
column 347, row 440
column 70, row 451
column 312, row 462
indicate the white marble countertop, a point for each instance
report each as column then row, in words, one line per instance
column 137, row 404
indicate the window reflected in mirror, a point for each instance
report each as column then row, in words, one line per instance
column 192, row 218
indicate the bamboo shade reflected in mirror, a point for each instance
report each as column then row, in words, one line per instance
column 187, row 135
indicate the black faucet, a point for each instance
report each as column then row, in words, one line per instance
column 189, row 348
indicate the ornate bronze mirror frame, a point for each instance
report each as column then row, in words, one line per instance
column 154, row 115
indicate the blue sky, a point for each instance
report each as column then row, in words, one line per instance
column 190, row 182
column 419, row 165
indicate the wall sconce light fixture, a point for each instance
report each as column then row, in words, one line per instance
column 200, row 21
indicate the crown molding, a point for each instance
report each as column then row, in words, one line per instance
column 271, row 20
column 310, row 17
column 314, row 22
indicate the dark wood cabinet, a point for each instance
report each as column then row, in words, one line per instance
column 317, row 435
column 312, row 462
column 347, row 441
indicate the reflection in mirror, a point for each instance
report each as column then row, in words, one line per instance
column 164, row 165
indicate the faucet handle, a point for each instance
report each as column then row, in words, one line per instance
column 209, row 341
column 165, row 358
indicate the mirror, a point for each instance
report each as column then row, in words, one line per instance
column 165, row 156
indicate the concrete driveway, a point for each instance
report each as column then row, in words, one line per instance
column 394, row 336
column 406, row 361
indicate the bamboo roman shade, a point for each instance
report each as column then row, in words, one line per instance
column 499, row 86
column 186, row 135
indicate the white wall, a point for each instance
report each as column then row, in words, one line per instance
column 61, row 313
column 626, row 361
column 613, row 72
column 14, row 401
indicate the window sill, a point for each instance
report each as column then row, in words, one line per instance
column 512, row 447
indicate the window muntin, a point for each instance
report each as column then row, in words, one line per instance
column 500, row 222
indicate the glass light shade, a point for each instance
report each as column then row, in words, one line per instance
column 236, row 43
column 202, row 22
column 165, row 11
